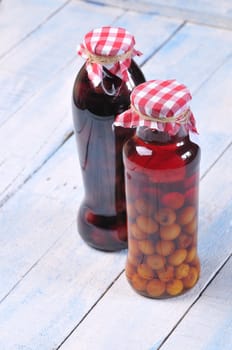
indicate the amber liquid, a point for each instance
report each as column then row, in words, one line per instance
column 102, row 215
column 162, row 176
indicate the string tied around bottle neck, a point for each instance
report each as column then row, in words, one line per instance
column 109, row 47
column 106, row 60
column 181, row 118
column 159, row 104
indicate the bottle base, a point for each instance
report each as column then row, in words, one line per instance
column 107, row 234
column 154, row 288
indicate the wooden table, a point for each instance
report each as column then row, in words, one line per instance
column 56, row 292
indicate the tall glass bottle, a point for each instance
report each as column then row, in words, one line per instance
column 162, row 178
column 102, row 90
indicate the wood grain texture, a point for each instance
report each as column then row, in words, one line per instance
column 36, row 132
column 56, row 294
column 213, row 13
column 192, row 55
column 19, row 18
column 131, row 321
column 54, row 290
column 37, row 216
column 40, row 57
column 40, row 127
column 208, row 325
column 148, row 41
column 49, row 277
column 212, row 107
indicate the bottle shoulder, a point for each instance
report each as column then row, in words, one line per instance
column 159, row 155
column 111, row 96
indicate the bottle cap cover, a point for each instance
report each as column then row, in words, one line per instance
column 111, row 47
column 161, row 105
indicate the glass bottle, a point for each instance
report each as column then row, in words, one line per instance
column 162, row 181
column 102, row 214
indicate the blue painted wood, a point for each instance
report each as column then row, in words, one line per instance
column 192, row 56
column 213, row 13
column 40, row 57
column 35, row 259
column 208, row 325
column 49, row 279
column 19, row 18
column 37, row 216
column 36, row 131
column 212, row 108
column 49, row 122
column 123, row 319
column 54, row 296
column 150, row 31
column 67, row 277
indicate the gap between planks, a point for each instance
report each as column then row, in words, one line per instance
column 34, row 265
column 194, row 302
column 190, row 15
column 204, row 286
column 189, row 307
column 216, row 160
column 7, row 52
column 70, row 133
column 151, row 55
column 90, row 309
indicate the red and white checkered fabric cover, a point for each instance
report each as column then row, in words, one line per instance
column 107, row 42
column 159, row 99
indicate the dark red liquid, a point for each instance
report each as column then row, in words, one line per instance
column 162, row 176
column 102, row 215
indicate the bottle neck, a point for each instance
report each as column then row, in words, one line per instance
column 159, row 137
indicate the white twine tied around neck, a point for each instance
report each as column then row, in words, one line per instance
column 181, row 118
column 102, row 59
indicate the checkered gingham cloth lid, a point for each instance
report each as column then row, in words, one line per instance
column 110, row 47
column 161, row 105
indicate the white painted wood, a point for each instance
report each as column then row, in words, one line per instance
column 49, row 279
column 38, row 128
column 211, row 12
column 40, row 57
column 37, row 215
column 123, row 319
column 192, row 55
column 18, row 18
column 36, row 131
column 212, row 107
column 150, row 31
column 208, row 325
column 57, row 292
column 59, row 278
column 55, row 277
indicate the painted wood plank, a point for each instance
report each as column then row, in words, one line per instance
column 123, row 319
column 35, row 231
column 67, row 278
column 212, row 107
column 29, row 138
column 38, row 215
column 46, row 214
column 150, row 31
column 40, row 57
column 208, row 325
column 18, row 18
column 210, row 12
column 192, row 55
column 42, row 124
column 49, row 277
column 56, row 294
column 36, row 140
